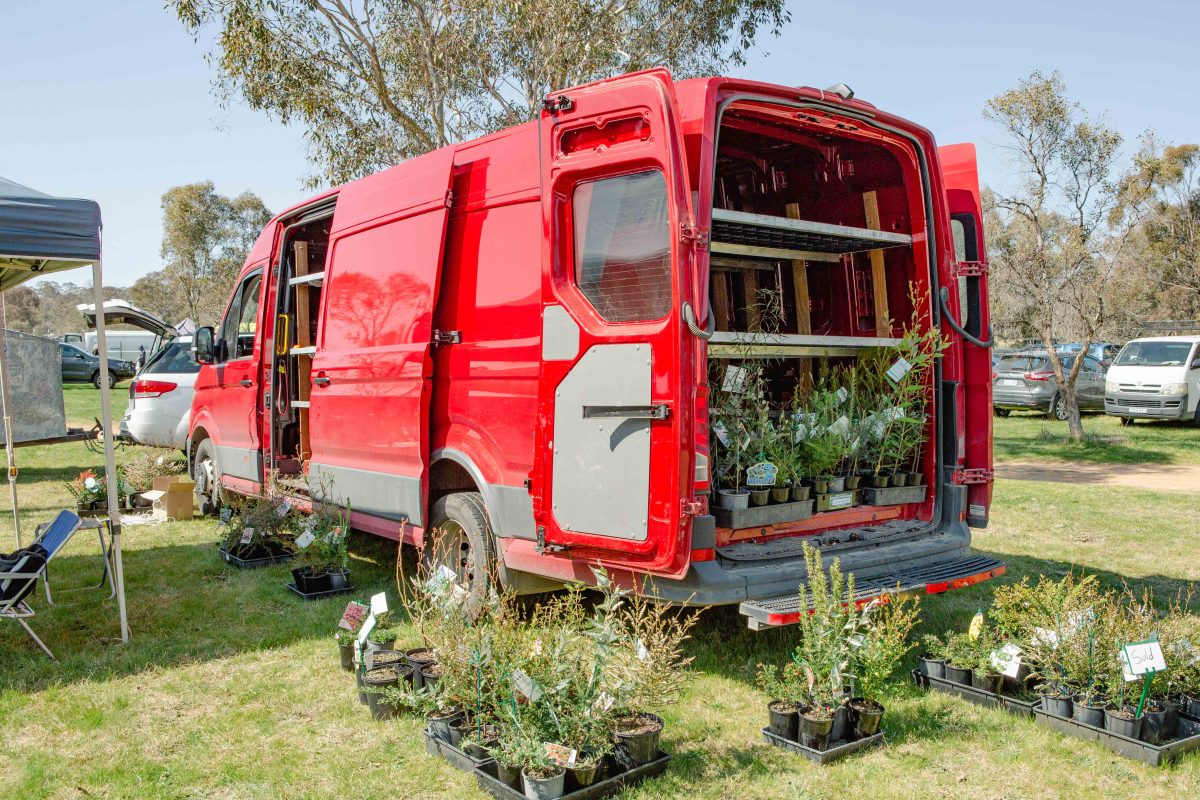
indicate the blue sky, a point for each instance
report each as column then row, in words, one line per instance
column 111, row 100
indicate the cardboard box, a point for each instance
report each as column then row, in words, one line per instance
column 172, row 497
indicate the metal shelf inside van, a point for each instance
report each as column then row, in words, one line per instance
column 776, row 345
column 765, row 236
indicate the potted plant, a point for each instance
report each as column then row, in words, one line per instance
column 541, row 777
column 960, row 655
column 931, row 660
column 91, row 493
column 347, row 641
column 984, row 674
column 877, row 647
column 786, row 686
column 261, row 531
column 322, row 552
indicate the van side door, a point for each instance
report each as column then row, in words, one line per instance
column 235, row 396
column 608, row 478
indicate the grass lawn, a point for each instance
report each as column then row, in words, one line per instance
column 1025, row 436
column 230, row 686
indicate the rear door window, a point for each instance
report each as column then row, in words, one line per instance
column 1021, row 364
column 176, row 357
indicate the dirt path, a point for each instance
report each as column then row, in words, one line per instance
column 1157, row 477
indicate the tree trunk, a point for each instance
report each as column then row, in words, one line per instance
column 1074, row 423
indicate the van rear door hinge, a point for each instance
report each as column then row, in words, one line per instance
column 969, row 269
column 691, row 508
column 965, row 477
column 541, row 547
column 557, row 104
column 446, row 337
column 690, row 232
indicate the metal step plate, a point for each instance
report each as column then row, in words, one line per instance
column 958, row 573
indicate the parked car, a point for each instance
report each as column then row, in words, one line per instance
column 82, row 367
column 160, row 399
column 1155, row 378
column 1026, row 381
column 1104, row 352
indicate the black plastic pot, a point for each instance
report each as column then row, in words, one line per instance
column 362, row 687
column 383, row 658
column 1190, row 706
column 1058, row 706
column 759, row 497
column 915, row 478
column 781, row 494
column 339, row 579
column 933, row 667
column 1155, row 724
column 814, row 733
column 821, row 484
column 843, row 724
column 430, row 681
column 784, row 722
column 852, row 482
column 585, row 775
column 800, row 493
column 987, row 681
column 509, row 775
column 310, row 581
column 837, row 484
column 899, row 478
column 420, row 658
column 957, row 675
column 459, row 728
column 867, row 715
column 640, row 739
column 346, row 654
column 1172, row 709
column 1122, row 725
column 733, row 498
column 878, row 481
column 1088, row 714
column 439, row 723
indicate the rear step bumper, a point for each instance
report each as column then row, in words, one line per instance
column 928, row 579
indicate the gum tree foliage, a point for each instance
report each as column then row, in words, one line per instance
column 1057, row 235
column 374, row 82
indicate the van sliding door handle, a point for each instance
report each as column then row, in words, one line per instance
column 320, row 381
column 246, row 382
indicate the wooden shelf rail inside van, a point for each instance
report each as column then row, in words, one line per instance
column 765, row 236
column 776, row 345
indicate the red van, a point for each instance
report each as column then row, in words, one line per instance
column 508, row 340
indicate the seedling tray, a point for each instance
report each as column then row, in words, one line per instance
column 1187, row 738
column 893, row 495
column 835, row 751
column 439, row 747
column 836, row 501
column 319, row 595
column 485, row 776
column 254, row 563
column 762, row 515
column 1012, row 705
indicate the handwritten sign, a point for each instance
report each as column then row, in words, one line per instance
column 304, row 540
column 379, row 603
column 898, row 370
column 247, row 535
column 352, row 616
column 1141, row 658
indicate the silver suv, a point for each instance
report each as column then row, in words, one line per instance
column 1026, row 380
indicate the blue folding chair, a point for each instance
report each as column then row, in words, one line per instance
column 20, row 571
column 58, row 532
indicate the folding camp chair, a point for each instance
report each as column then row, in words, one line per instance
column 20, row 570
column 45, row 530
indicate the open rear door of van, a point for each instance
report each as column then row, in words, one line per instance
column 617, row 206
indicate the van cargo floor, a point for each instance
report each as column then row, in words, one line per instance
column 929, row 579
column 784, row 547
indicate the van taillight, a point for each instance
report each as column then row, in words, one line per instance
column 1038, row 376
column 701, row 418
column 152, row 388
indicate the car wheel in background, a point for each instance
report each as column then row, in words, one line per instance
column 1002, row 412
column 112, row 379
column 1058, row 408
column 204, row 473
column 1126, row 422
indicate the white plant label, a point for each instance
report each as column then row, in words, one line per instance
column 304, row 540
column 898, row 370
column 894, row 413
column 603, row 702
column 841, row 394
column 560, row 754
column 1140, row 658
column 226, row 515
column 379, row 603
column 1007, row 660
column 283, row 508
column 841, row 426
column 735, row 380
column 800, row 434
column 762, row 474
column 642, row 652
column 1046, row 636
column 526, row 686
column 334, row 534
column 366, row 629
column 722, row 434
column 841, row 500
column 247, row 535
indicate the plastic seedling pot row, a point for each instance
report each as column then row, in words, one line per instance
column 977, row 696
column 319, row 595
column 487, row 776
column 762, row 515
column 1187, row 738
column 440, row 747
column 255, row 563
column 835, row 750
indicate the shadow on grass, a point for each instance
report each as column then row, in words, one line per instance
column 184, row 605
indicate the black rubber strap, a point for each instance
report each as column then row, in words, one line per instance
column 944, row 296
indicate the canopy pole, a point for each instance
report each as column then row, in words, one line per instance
column 110, row 457
column 8, row 427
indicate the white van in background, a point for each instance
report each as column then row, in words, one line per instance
column 1156, row 377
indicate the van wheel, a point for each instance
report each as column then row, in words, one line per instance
column 207, row 478
column 460, row 539
column 1002, row 412
column 112, row 380
column 1126, row 422
column 1058, row 408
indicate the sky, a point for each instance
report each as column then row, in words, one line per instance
column 113, row 100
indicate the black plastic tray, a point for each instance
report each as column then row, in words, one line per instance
column 438, row 747
column 1187, row 741
column 979, row 697
column 485, row 776
column 254, row 563
column 756, row 516
column 836, row 750
column 892, row 495
column 319, row 595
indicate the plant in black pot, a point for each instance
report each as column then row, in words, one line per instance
column 877, row 648
column 263, row 528
column 931, row 660
column 786, row 685
column 985, row 674
column 347, row 642
column 960, row 654
column 322, row 550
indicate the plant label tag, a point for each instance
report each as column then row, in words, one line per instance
column 976, row 626
column 304, row 540
column 894, row 413
column 334, row 534
column 841, row 394
column 379, row 603
column 722, row 434
column 841, row 500
column 642, row 652
column 762, row 474
column 603, row 702
column 898, row 370
column 560, row 754
column 800, row 434
column 1007, row 660
column 735, row 380
column 283, row 508
column 1046, row 636
column 1141, row 658
column 526, row 686
column 366, row 629
column 352, row 616
column 247, row 535
column 841, row 426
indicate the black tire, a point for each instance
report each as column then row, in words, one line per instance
column 461, row 539
column 1058, row 408
column 1196, row 416
column 1126, row 422
column 207, row 477
column 1002, row 412
column 112, row 379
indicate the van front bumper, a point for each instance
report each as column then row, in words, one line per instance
column 1139, row 405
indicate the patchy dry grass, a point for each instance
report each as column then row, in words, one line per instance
column 230, row 686
column 1032, row 436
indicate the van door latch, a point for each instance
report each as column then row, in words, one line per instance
column 969, row 269
column 690, row 232
column 446, row 337
column 660, row 411
column 964, row 477
column 554, row 105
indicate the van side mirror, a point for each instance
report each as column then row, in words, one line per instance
column 202, row 343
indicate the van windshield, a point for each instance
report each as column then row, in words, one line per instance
column 1154, row 354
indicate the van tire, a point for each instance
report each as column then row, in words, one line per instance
column 1126, row 422
column 459, row 537
column 207, row 478
column 1002, row 412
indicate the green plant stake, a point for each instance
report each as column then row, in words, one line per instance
column 1145, row 691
